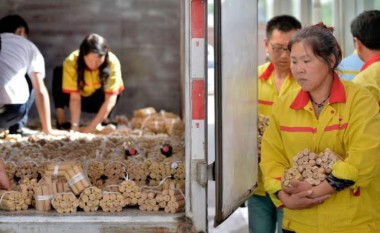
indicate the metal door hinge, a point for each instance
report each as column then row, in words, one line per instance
column 202, row 173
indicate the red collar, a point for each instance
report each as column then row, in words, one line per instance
column 267, row 73
column 338, row 95
column 370, row 61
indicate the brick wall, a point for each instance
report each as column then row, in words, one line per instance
column 144, row 35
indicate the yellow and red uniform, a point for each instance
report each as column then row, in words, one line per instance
column 349, row 126
column 267, row 95
column 113, row 86
column 369, row 76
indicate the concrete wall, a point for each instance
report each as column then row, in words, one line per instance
column 144, row 34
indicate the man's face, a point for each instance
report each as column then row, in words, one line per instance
column 277, row 48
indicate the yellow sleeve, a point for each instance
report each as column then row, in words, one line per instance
column 362, row 142
column 70, row 76
column 369, row 80
column 274, row 161
column 114, row 83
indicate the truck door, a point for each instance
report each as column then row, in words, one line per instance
column 235, row 106
column 236, row 160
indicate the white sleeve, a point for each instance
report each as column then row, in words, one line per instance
column 37, row 63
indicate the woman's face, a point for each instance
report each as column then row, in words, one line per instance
column 94, row 61
column 310, row 71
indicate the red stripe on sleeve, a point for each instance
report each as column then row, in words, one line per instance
column 68, row 91
column 265, row 102
column 298, row 129
column 115, row 92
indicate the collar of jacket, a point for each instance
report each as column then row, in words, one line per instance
column 338, row 95
column 370, row 61
column 267, row 73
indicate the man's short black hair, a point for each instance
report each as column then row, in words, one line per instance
column 283, row 23
column 10, row 23
column 366, row 28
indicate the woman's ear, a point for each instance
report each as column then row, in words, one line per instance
column 332, row 61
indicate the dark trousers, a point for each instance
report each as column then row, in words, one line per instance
column 15, row 116
column 263, row 216
column 90, row 104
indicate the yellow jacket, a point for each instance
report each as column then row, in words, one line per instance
column 369, row 76
column 113, row 86
column 267, row 95
column 349, row 125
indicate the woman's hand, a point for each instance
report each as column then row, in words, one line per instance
column 88, row 129
column 297, row 186
column 300, row 200
column 57, row 132
column 320, row 190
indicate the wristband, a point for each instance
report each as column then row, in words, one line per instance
column 338, row 184
column 75, row 124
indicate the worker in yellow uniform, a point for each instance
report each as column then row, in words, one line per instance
column 90, row 82
column 365, row 29
column 326, row 113
column 275, row 79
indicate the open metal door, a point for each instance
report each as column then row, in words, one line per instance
column 236, row 161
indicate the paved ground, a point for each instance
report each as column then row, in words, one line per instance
column 236, row 223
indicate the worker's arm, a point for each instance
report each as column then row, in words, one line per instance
column 320, row 190
column 105, row 109
column 75, row 110
column 43, row 104
column 300, row 200
column 42, row 101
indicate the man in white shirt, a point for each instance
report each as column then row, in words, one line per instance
column 19, row 56
column 12, row 80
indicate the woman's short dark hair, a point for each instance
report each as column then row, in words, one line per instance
column 93, row 43
column 322, row 42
